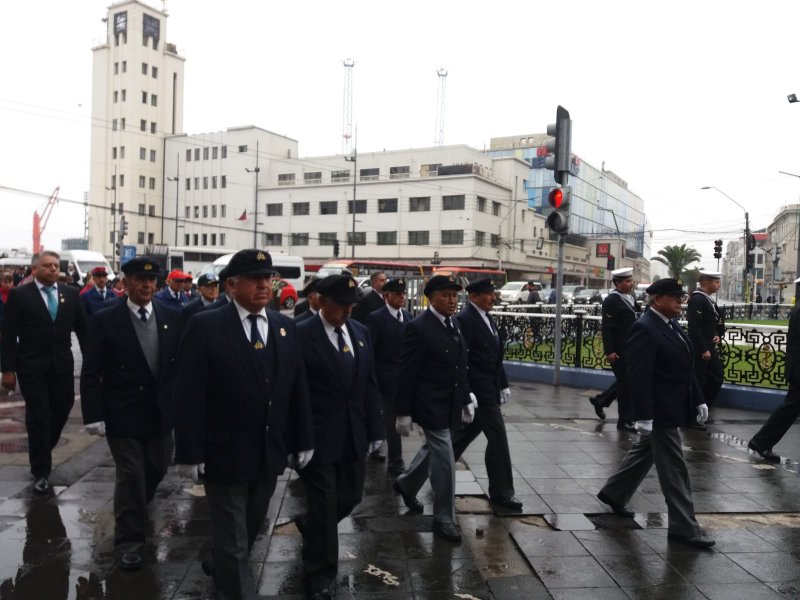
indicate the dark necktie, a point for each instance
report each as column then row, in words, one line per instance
column 344, row 350
column 255, row 335
column 449, row 325
column 491, row 324
column 676, row 328
column 400, row 316
column 143, row 314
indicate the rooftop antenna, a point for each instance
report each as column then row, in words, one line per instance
column 438, row 139
column 347, row 107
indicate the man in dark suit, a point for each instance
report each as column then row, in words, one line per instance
column 786, row 414
column 487, row 380
column 347, row 425
column 173, row 294
column 620, row 311
column 100, row 295
column 659, row 358
column 372, row 299
column 386, row 326
column 127, row 394
column 243, row 414
column 310, row 306
column 706, row 327
column 36, row 347
column 208, row 292
column 432, row 390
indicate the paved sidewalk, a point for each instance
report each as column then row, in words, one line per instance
column 565, row 544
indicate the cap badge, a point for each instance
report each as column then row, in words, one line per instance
column 283, row 332
column 451, row 279
column 258, row 345
column 261, row 256
column 401, row 281
column 147, row 267
column 351, row 283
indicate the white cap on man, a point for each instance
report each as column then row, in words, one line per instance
column 710, row 274
column 622, row 273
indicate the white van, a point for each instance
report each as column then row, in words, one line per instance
column 291, row 268
column 84, row 261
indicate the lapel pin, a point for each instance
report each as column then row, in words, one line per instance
column 165, row 326
column 283, row 332
column 360, row 343
column 258, row 345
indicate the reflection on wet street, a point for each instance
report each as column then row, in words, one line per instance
column 565, row 544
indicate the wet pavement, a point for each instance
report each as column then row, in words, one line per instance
column 564, row 545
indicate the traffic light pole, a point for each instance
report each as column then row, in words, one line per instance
column 745, row 282
column 557, row 331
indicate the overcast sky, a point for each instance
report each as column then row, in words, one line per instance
column 672, row 96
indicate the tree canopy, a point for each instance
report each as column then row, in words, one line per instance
column 677, row 258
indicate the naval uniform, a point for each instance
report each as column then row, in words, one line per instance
column 704, row 323
column 620, row 312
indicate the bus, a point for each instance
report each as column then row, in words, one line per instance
column 466, row 275
column 363, row 268
column 291, row 268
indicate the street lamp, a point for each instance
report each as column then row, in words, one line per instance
column 176, row 179
column 114, row 221
column 746, row 236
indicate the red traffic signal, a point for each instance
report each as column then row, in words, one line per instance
column 556, row 198
column 558, row 219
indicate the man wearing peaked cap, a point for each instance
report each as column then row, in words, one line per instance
column 310, row 306
column 127, row 395
column 96, row 298
column 706, row 326
column 619, row 311
column 386, row 326
column 659, row 360
column 433, row 391
column 173, row 294
column 243, row 414
column 339, row 364
column 208, row 292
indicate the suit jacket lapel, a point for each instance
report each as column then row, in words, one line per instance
column 481, row 324
column 128, row 335
column 329, row 355
column 234, row 331
column 38, row 302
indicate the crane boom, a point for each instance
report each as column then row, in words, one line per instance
column 40, row 221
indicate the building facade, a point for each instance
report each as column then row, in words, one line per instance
column 783, row 247
column 137, row 101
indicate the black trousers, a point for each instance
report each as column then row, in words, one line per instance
column 141, row 464
column 780, row 420
column 237, row 512
column 394, row 445
column 710, row 376
column 332, row 492
column 489, row 420
column 48, row 400
column 624, row 402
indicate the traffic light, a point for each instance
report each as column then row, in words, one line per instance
column 116, row 248
column 777, row 258
column 750, row 259
column 560, row 146
column 559, row 200
column 335, row 248
column 123, row 227
column 610, row 263
column 717, row 248
column 436, row 260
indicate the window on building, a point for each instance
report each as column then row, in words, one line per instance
column 113, row 124
column 153, row 128
column 141, row 209
column 480, row 238
column 214, row 182
column 142, row 183
column 188, row 183
column 111, row 236
column 197, row 183
column 154, row 72
column 140, row 237
column 299, row 239
column 223, row 152
column 223, row 181
column 197, row 153
column 361, row 207
column 205, row 153
column 419, row 204
column 275, row 210
column 152, row 183
column 196, row 239
column 188, row 211
column 144, row 68
column 399, row 172
column 116, row 95
column 205, row 239
column 142, row 124
column 124, row 68
column 243, row 148
column 371, row 174
column 153, row 100
column 359, row 238
column 122, row 151
column 419, row 238
column 122, row 123
column 453, row 202
column 452, row 236
column 114, row 152
column 327, row 238
column 273, row 239
column 387, row 238
column 152, row 156
column 151, row 210
column 481, row 204
column 496, row 208
column 196, row 212
column 340, row 176
column 522, row 245
column 186, row 239
column 121, row 184
column 429, row 170
column 151, row 238
column 113, row 210
column 213, row 239
column 205, row 211
column 214, row 152
column 124, row 95
column 222, row 235
column 142, row 153
column 188, row 155
column 387, row 205
column 328, row 207
column 285, row 178
column 116, row 70
column 144, row 97
column 312, row 177
column 300, row 208
column 214, row 211
column 495, row 240
column 205, row 183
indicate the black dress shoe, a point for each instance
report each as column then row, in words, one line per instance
column 396, row 469
column 626, row 426
column 411, row 502
column 322, row 593
column 41, row 486
column 767, row 455
column 598, row 408
column 207, row 564
column 377, row 455
column 448, row 531
column 130, row 561
column 695, row 541
column 509, row 502
column 617, row 509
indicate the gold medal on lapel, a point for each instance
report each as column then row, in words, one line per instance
column 258, row 345
column 283, row 332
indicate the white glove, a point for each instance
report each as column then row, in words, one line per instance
column 96, row 428
column 192, row 472
column 505, row 395
column 373, row 446
column 403, row 426
column 644, row 428
column 300, row 460
column 702, row 413
column 468, row 413
column 474, row 399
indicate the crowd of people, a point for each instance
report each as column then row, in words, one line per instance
column 232, row 392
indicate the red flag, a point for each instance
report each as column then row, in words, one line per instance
column 243, row 217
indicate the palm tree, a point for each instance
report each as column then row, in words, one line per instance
column 677, row 258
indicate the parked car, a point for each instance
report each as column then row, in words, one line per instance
column 568, row 292
column 516, row 292
column 287, row 294
column 589, row 296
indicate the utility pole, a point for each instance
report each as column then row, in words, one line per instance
column 255, row 200
column 114, row 222
column 177, row 180
column 354, row 159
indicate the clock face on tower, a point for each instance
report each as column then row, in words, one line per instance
column 121, row 22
